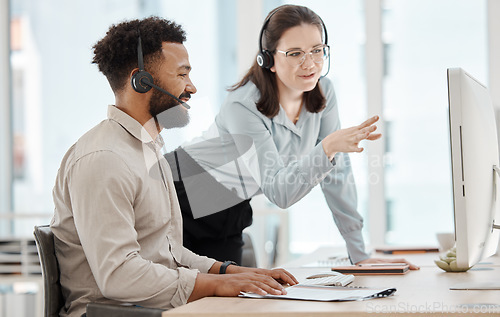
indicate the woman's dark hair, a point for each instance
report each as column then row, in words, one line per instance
column 282, row 19
column 116, row 53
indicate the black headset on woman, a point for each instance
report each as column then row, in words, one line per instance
column 265, row 58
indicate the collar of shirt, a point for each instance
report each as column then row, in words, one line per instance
column 282, row 119
column 134, row 127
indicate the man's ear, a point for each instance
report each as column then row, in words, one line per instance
column 134, row 71
column 130, row 76
column 137, row 75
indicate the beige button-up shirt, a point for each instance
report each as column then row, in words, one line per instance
column 117, row 222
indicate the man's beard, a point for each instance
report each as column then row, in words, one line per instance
column 167, row 111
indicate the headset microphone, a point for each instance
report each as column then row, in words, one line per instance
column 147, row 82
column 142, row 81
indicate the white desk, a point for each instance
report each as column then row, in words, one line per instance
column 419, row 293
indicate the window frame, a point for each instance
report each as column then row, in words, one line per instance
column 5, row 111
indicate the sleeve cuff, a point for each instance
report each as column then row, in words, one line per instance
column 207, row 265
column 187, row 279
column 355, row 246
column 195, row 261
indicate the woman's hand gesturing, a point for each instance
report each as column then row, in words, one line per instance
column 347, row 140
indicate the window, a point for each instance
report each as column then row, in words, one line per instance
column 424, row 39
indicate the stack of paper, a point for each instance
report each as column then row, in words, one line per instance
column 327, row 293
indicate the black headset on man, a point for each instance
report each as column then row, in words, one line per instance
column 265, row 58
column 142, row 81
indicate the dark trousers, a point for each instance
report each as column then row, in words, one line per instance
column 228, row 249
column 218, row 235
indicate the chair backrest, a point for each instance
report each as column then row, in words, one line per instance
column 248, row 258
column 53, row 298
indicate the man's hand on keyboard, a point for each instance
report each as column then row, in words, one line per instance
column 280, row 275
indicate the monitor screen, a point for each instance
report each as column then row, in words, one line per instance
column 475, row 162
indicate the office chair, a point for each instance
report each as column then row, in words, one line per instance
column 53, row 298
column 248, row 258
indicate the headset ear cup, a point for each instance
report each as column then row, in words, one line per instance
column 269, row 58
column 137, row 83
column 265, row 59
column 260, row 60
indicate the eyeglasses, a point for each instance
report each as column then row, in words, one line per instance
column 297, row 57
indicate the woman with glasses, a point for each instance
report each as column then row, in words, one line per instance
column 290, row 114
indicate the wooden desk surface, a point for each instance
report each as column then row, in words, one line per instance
column 421, row 293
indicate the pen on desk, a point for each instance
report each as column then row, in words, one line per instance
column 383, row 264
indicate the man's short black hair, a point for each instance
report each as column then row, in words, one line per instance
column 116, row 53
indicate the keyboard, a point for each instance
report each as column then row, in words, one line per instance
column 331, row 280
column 340, row 261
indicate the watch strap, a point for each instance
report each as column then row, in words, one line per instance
column 224, row 266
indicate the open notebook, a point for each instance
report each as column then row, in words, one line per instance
column 328, row 293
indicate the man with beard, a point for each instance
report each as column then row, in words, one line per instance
column 117, row 222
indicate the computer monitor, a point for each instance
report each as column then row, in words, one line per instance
column 475, row 168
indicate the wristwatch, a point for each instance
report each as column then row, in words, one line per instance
column 224, row 266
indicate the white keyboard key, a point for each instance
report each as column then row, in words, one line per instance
column 333, row 280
